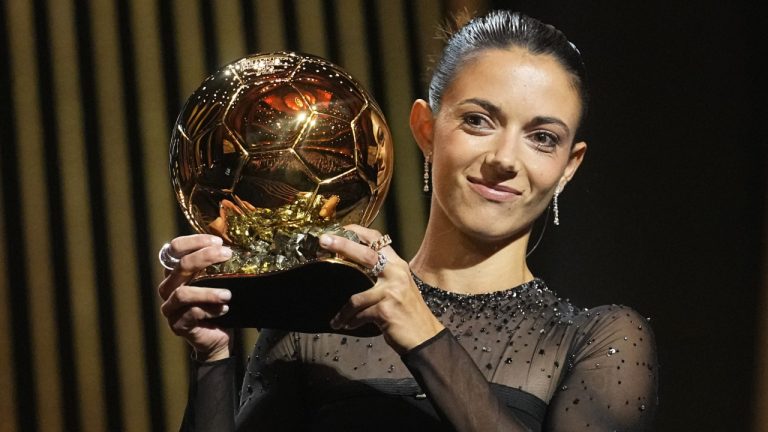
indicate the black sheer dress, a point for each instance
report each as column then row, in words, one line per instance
column 515, row 360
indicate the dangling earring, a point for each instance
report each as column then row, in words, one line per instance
column 555, row 210
column 426, row 173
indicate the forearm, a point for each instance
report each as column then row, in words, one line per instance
column 211, row 400
column 456, row 387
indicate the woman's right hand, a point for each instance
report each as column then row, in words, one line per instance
column 187, row 307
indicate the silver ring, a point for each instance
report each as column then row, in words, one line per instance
column 381, row 243
column 379, row 267
column 166, row 259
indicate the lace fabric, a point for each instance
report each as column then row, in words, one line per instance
column 519, row 359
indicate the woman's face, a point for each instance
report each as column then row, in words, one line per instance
column 501, row 143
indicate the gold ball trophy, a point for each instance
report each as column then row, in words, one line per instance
column 270, row 152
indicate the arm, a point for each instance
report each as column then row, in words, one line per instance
column 269, row 398
column 211, row 393
column 211, row 399
column 612, row 382
column 457, row 389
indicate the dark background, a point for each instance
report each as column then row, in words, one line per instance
column 667, row 213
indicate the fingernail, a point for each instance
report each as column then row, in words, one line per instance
column 226, row 252
column 225, row 295
column 217, row 241
column 325, row 240
column 224, row 309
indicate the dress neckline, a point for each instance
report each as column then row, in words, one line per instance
column 426, row 288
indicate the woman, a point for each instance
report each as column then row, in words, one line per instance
column 471, row 340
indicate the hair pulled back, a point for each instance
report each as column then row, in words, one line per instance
column 503, row 29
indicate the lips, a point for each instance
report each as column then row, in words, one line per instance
column 493, row 191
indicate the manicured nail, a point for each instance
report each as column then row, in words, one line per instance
column 216, row 241
column 224, row 309
column 325, row 240
column 226, row 252
column 225, row 295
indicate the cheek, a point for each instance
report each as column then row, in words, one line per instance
column 545, row 173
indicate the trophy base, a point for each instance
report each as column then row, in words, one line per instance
column 304, row 299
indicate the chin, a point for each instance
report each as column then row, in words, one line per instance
column 493, row 233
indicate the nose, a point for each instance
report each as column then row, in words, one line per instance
column 503, row 156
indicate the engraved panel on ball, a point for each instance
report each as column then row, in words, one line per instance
column 264, row 68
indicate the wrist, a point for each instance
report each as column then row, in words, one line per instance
column 212, row 355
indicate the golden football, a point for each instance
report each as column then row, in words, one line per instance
column 273, row 150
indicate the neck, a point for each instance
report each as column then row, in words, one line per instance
column 458, row 262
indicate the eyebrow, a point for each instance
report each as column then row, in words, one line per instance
column 496, row 111
column 542, row 120
column 487, row 105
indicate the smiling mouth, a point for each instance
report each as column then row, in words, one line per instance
column 493, row 191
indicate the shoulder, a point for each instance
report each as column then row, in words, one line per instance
column 608, row 330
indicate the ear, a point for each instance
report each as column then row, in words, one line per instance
column 574, row 161
column 422, row 126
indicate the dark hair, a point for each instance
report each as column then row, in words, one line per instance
column 504, row 29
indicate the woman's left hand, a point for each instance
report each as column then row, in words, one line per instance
column 394, row 303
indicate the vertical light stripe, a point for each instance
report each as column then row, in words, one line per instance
column 161, row 204
column 115, row 166
column 353, row 55
column 311, row 27
column 229, row 31
column 410, row 205
column 427, row 21
column 189, row 44
column 269, row 25
column 250, row 335
column 471, row 6
column 7, row 401
column 76, row 215
column 34, row 216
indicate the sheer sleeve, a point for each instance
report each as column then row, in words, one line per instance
column 211, row 399
column 613, row 376
column 458, row 390
column 271, row 395
column 268, row 398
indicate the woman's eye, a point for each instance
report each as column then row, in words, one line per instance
column 545, row 141
column 476, row 120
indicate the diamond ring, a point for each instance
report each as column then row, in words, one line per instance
column 379, row 267
column 166, row 259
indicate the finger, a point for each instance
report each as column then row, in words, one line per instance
column 368, row 315
column 190, row 265
column 186, row 296
column 355, row 305
column 366, row 235
column 184, row 245
column 353, row 251
column 184, row 322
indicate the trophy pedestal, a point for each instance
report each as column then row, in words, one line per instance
column 303, row 300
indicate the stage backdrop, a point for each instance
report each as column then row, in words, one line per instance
column 90, row 90
column 667, row 214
